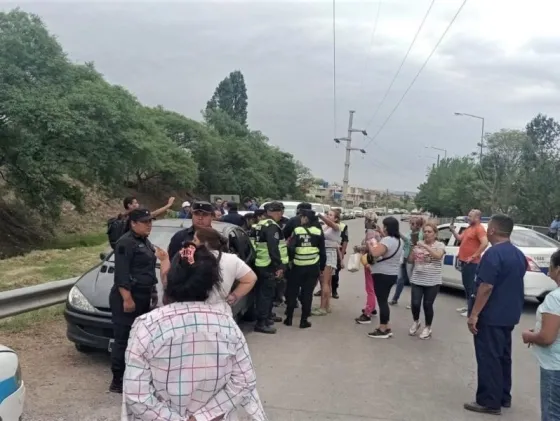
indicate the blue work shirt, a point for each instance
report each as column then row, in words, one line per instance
column 555, row 226
column 503, row 265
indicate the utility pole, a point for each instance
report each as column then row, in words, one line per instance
column 349, row 148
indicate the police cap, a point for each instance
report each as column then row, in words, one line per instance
column 259, row 212
column 140, row 215
column 307, row 213
column 200, row 206
column 304, row 205
column 274, row 207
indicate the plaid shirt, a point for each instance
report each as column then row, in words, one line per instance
column 188, row 359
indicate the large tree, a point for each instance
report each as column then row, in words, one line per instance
column 231, row 97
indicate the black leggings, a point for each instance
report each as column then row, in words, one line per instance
column 429, row 295
column 383, row 284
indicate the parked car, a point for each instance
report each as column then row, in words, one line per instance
column 537, row 249
column 358, row 212
column 88, row 314
column 12, row 388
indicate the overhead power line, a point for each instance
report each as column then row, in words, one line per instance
column 371, row 41
column 417, row 74
column 402, row 64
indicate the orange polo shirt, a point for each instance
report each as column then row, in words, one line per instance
column 471, row 239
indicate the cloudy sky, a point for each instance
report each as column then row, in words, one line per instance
column 499, row 61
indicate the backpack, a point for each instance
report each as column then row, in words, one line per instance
column 116, row 228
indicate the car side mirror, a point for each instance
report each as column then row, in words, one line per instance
column 102, row 256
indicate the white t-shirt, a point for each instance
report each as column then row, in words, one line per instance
column 232, row 268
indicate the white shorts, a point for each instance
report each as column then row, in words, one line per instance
column 332, row 257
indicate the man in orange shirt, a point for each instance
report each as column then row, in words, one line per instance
column 473, row 242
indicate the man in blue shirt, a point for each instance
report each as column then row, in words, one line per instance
column 554, row 226
column 497, row 307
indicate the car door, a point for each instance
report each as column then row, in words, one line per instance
column 451, row 276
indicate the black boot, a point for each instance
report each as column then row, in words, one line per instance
column 116, row 385
column 288, row 321
column 263, row 328
column 304, row 324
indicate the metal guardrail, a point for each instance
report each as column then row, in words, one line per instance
column 22, row 300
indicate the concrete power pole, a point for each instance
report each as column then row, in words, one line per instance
column 349, row 148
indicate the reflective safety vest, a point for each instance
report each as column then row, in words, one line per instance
column 254, row 233
column 342, row 225
column 261, row 247
column 307, row 246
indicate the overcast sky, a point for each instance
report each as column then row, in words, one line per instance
column 499, row 61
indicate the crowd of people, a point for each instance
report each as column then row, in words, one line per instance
column 188, row 359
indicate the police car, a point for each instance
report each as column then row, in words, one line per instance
column 12, row 389
column 537, row 249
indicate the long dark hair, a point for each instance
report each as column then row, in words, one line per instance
column 391, row 225
column 212, row 239
column 194, row 273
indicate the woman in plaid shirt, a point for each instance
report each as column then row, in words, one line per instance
column 189, row 360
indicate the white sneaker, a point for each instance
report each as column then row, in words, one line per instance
column 461, row 309
column 426, row 333
column 414, row 328
column 465, row 313
column 408, row 307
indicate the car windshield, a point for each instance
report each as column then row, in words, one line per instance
column 530, row 238
column 160, row 236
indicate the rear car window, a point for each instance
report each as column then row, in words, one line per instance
column 530, row 238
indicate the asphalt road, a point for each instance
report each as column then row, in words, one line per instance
column 332, row 371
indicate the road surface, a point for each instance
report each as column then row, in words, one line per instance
column 332, row 371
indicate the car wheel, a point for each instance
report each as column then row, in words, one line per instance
column 84, row 348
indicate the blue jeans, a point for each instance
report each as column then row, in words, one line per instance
column 550, row 395
column 401, row 280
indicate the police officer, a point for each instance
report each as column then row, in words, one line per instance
column 202, row 215
column 271, row 260
column 259, row 215
column 308, row 256
column 296, row 220
column 133, row 292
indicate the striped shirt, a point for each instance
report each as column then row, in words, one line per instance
column 427, row 271
column 188, row 359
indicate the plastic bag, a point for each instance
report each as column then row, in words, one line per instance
column 354, row 262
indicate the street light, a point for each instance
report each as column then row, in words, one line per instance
column 438, row 149
column 481, row 144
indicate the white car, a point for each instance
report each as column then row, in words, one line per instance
column 537, row 249
column 358, row 212
column 12, row 389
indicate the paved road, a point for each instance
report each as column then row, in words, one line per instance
column 332, row 371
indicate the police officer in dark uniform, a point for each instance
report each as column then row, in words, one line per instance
column 133, row 292
column 202, row 215
column 296, row 220
column 308, row 256
column 270, row 262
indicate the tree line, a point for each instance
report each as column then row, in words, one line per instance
column 64, row 129
column 517, row 175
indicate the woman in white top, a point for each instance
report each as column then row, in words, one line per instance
column 232, row 269
column 426, row 278
column 333, row 240
column 386, row 256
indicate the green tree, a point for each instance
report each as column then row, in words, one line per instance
column 231, row 97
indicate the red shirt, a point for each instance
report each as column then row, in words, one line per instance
column 471, row 239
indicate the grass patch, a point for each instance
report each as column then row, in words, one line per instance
column 48, row 265
column 25, row 321
column 78, row 240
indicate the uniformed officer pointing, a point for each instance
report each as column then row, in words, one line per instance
column 133, row 292
column 271, row 260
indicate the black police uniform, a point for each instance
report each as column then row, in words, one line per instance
column 302, row 276
column 135, row 271
column 267, row 282
column 187, row 235
column 335, row 276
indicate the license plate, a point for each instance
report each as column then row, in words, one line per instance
column 110, row 346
